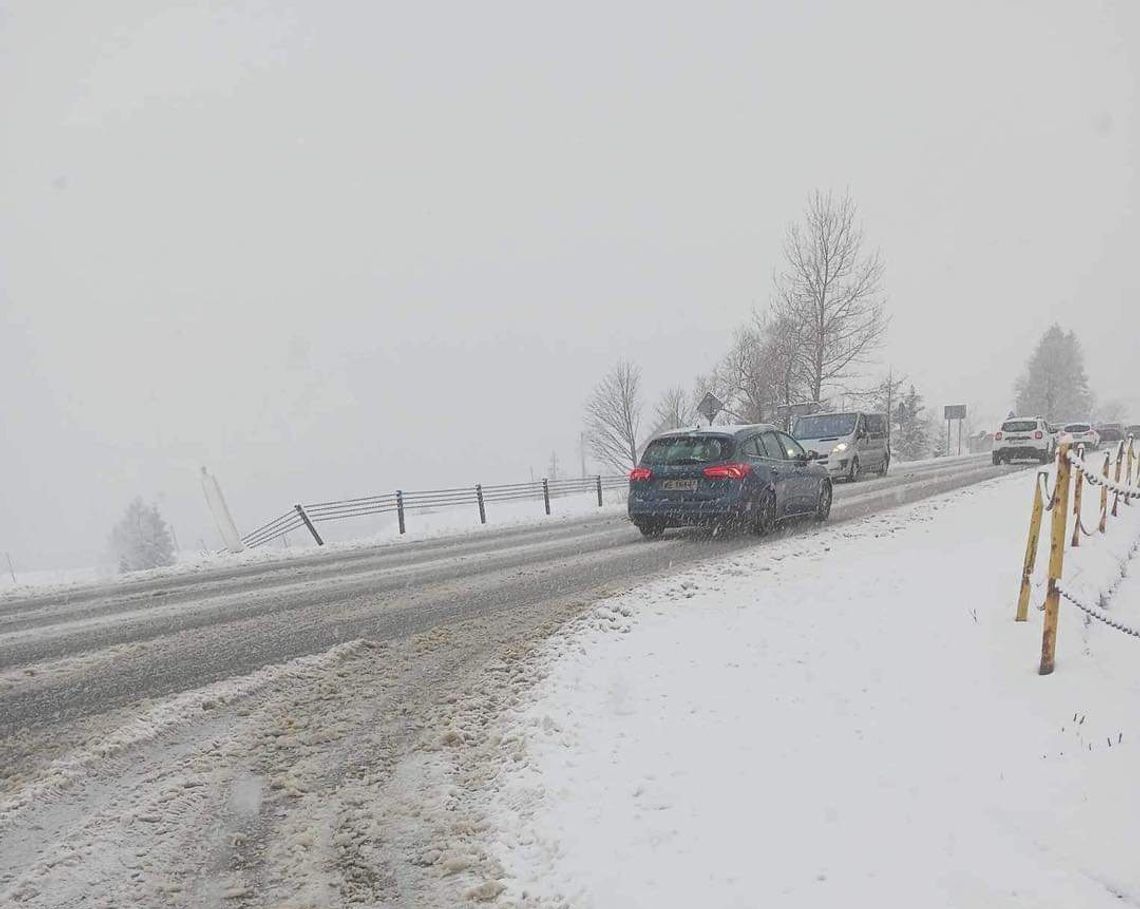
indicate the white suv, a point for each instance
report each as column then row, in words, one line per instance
column 1083, row 434
column 1025, row 438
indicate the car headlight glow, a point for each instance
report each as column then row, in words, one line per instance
column 841, row 447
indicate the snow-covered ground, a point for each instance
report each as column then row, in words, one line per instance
column 341, row 536
column 369, row 532
column 843, row 717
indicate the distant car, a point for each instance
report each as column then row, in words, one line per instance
column 849, row 443
column 1110, row 432
column 752, row 476
column 1023, row 438
column 1083, row 434
column 1133, row 430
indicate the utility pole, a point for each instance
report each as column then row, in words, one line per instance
column 11, row 570
column 582, row 452
column 890, row 392
column 553, row 471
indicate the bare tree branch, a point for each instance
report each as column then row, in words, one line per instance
column 613, row 416
column 673, row 410
column 829, row 294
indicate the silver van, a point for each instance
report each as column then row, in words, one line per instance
column 848, row 443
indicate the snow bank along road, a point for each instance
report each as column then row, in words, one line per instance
column 232, row 735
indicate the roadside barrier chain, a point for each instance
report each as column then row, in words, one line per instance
column 1097, row 614
column 1125, row 492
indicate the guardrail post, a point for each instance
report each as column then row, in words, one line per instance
column 1119, row 468
column 1104, row 496
column 309, row 524
column 1030, row 551
column 1077, row 493
column 1056, row 560
column 1131, row 457
column 479, row 498
column 546, row 494
column 400, row 509
column 598, row 480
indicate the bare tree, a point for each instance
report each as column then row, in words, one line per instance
column 884, row 396
column 782, row 361
column 830, row 292
column 673, row 410
column 613, row 416
column 761, row 370
column 745, row 378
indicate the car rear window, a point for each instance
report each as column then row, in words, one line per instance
column 687, row 450
column 1019, row 426
column 1077, row 427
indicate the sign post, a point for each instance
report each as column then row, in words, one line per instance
column 709, row 407
column 954, row 412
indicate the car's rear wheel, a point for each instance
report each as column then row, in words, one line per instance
column 823, row 503
column 765, row 520
column 853, row 471
column 997, row 460
column 651, row 529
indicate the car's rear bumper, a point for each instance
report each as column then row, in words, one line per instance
column 681, row 511
column 1027, row 452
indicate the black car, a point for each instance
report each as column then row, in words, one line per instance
column 754, row 476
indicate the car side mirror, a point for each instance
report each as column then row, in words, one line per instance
column 802, row 457
column 812, row 455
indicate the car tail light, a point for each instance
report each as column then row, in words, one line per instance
column 997, row 436
column 1039, row 435
column 728, row 471
column 640, row 475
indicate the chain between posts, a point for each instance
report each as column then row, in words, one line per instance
column 1098, row 615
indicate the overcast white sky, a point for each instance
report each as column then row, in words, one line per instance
column 330, row 248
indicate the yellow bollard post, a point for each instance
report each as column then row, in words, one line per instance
column 1030, row 550
column 1056, row 560
column 1119, row 468
column 1077, row 495
column 1104, row 495
column 1128, row 481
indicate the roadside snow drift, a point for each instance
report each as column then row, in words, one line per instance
column 844, row 716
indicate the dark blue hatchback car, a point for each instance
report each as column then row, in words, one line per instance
column 754, row 476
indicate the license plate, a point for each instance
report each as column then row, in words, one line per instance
column 679, row 484
column 1019, row 438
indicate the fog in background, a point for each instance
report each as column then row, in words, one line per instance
column 327, row 249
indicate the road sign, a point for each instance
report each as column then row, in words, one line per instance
column 710, row 406
column 954, row 412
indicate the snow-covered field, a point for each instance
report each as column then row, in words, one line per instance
column 847, row 717
column 342, row 536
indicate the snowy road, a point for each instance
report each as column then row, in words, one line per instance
column 186, row 632
column 282, row 692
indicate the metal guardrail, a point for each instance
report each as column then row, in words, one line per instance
column 401, row 502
